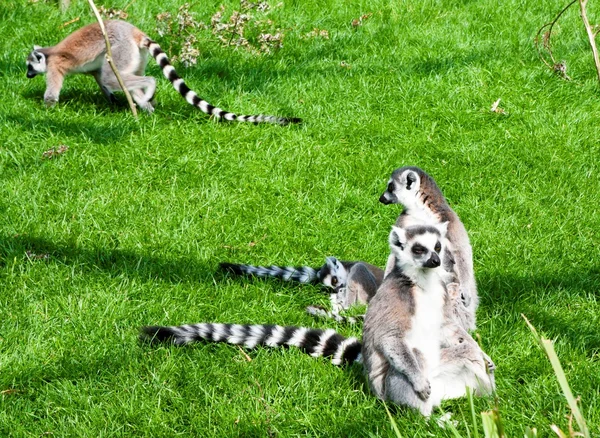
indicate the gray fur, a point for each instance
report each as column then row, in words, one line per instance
column 424, row 203
column 412, row 301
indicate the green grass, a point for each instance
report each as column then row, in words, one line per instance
column 136, row 216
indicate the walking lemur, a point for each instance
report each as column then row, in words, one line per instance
column 84, row 51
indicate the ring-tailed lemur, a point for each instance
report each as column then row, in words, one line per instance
column 84, row 51
column 414, row 352
column 424, row 203
column 352, row 282
column 418, row 317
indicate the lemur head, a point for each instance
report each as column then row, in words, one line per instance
column 36, row 63
column 333, row 274
column 403, row 186
column 419, row 246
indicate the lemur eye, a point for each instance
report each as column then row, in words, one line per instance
column 438, row 247
column 390, row 187
column 334, row 281
column 419, row 250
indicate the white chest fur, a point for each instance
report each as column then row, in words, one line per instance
column 426, row 323
column 421, row 215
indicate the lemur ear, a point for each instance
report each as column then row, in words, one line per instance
column 412, row 180
column 443, row 228
column 38, row 55
column 397, row 237
column 332, row 262
column 36, row 47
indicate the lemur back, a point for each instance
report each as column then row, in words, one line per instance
column 424, row 203
column 84, row 50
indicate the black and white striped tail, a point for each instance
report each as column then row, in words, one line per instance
column 193, row 99
column 316, row 342
column 302, row 274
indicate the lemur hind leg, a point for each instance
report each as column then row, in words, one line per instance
column 105, row 90
column 142, row 88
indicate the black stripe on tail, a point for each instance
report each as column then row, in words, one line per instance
column 301, row 274
column 193, row 99
column 316, row 342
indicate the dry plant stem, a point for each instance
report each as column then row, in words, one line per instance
column 128, row 4
column 69, row 22
column 551, row 25
column 590, row 32
column 234, row 31
column 110, row 60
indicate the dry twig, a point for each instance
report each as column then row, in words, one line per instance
column 69, row 22
column 591, row 35
column 248, row 358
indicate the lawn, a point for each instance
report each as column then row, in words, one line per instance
column 127, row 226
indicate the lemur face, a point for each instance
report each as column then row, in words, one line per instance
column 418, row 246
column 402, row 187
column 36, row 63
column 335, row 275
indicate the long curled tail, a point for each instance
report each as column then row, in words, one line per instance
column 316, row 342
column 301, row 274
column 193, row 99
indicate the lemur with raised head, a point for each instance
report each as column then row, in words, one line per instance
column 352, row 282
column 424, row 203
column 445, row 358
column 84, row 51
column 414, row 351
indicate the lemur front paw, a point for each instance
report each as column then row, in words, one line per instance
column 50, row 101
column 490, row 365
column 423, row 389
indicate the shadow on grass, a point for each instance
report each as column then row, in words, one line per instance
column 98, row 130
column 550, row 301
column 116, row 262
column 509, row 294
column 71, row 366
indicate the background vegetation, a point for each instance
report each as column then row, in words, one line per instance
column 126, row 227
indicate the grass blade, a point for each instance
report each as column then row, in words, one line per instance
column 548, row 347
column 394, row 425
column 473, row 416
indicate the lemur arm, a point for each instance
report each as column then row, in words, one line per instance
column 406, row 361
column 54, row 83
